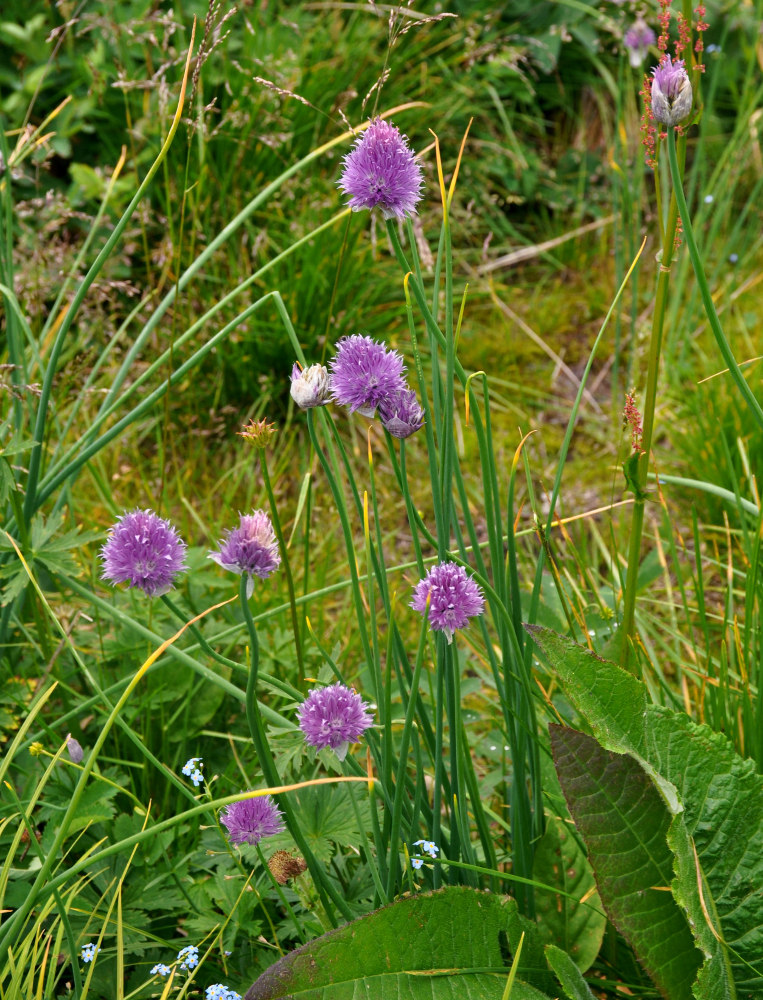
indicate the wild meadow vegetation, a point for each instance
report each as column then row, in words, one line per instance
column 381, row 538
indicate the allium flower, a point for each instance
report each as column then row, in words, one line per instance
column 637, row 40
column 251, row 548
column 453, row 596
column 333, row 717
column 259, row 432
column 671, row 91
column 161, row 970
column 401, row 413
column 188, row 957
column 191, row 769
column 76, row 753
column 381, row 172
column 364, row 373
column 252, row 819
column 284, row 866
column 89, row 951
column 144, row 550
column 310, row 386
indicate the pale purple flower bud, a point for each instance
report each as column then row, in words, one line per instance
column 310, row 386
column 671, row 92
column 381, row 172
column 333, row 717
column 252, row 548
column 453, row 598
column 364, row 373
column 144, row 550
column 401, row 413
column 637, row 40
column 252, row 819
column 76, row 753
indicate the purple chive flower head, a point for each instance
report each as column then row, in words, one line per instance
column 310, row 386
column 401, row 414
column 637, row 40
column 252, row 819
column 188, row 957
column 89, row 951
column 161, row 970
column 453, row 597
column 333, row 717
column 364, row 373
column 144, row 550
column 251, row 548
column 381, row 172
column 671, row 91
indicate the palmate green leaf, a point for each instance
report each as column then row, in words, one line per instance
column 578, row 928
column 451, row 943
column 625, row 823
column 716, row 801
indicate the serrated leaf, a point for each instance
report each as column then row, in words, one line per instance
column 578, row 928
column 327, row 818
column 716, row 799
column 451, row 943
column 624, row 823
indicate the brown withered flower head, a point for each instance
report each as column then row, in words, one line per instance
column 284, row 866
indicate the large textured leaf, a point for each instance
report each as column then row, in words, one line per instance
column 625, row 823
column 715, row 798
column 576, row 927
column 454, row 942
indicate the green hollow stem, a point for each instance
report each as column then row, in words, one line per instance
column 704, row 290
column 295, row 624
column 323, row 884
column 650, row 400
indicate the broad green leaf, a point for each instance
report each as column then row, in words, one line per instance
column 625, row 823
column 716, row 800
column 577, row 928
column 568, row 974
column 451, row 943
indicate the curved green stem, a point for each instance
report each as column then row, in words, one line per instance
column 704, row 290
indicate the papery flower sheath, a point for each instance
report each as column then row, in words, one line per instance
column 381, row 172
column 310, row 386
column 401, row 414
column 453, row 598
column 252, row 819
column 671, row 91
column 334, row 717
column 145, row 551
column 252, row 548
column 365, row 373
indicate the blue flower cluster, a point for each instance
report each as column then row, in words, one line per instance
column 427, row 847
column 89, row 951
column 192, row 770
column 188, row 957
column 219, row 992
